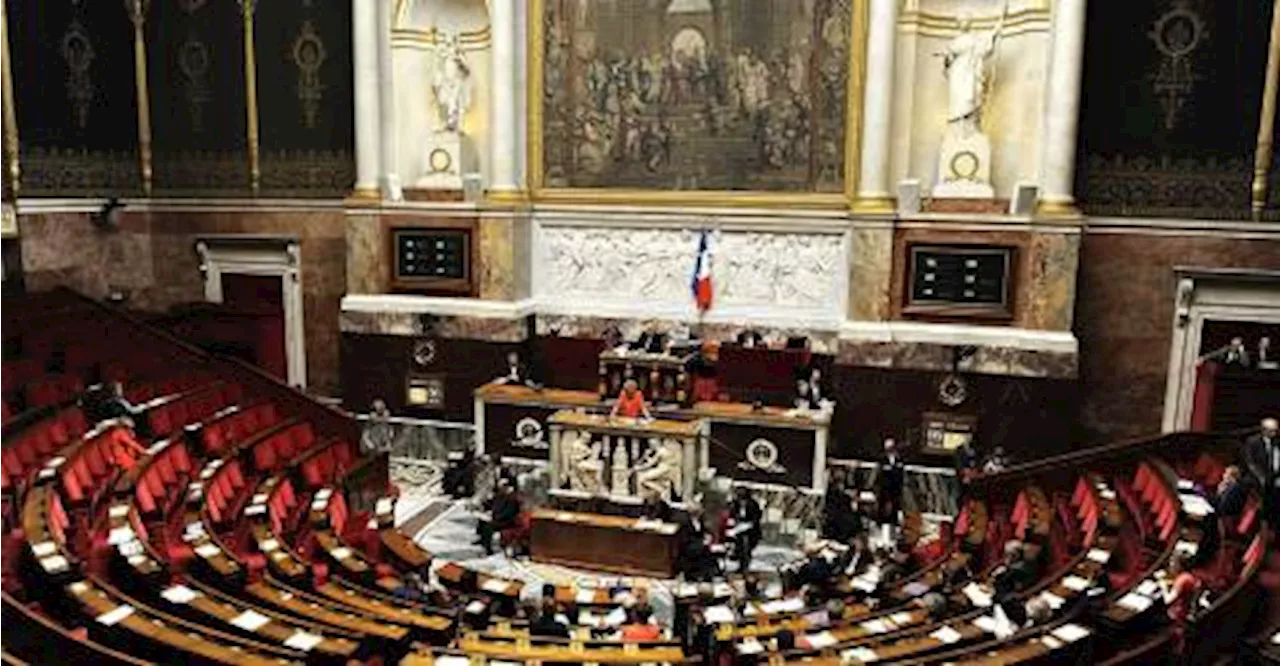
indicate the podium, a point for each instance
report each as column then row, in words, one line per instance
column 625, row 459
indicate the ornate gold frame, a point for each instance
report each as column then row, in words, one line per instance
column 536, row 177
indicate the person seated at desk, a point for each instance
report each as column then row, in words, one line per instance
column 1012, row 576
column 1179, row 587
column 804, row 397
column 817, row 392
column 630, row 402
column 651, row 342
column 547, row 623
column 750, row 339
column 639, row 628
column 816, row 572
column 517, row 373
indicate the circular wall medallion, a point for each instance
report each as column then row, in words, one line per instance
column 529, row 432
column 1178, row 32
column 440, row 160
column 424, row 352
column 964, row 165
column 762, row 453
column 952, row 391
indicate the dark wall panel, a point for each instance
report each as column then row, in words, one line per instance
column 1171, row 98
column 305, row 106
column 73, row 82
column 195, row 52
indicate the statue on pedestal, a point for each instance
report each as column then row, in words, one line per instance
column 964, row 161
column 448, row 150
column 583, row 462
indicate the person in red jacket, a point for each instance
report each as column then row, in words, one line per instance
column 630, row 402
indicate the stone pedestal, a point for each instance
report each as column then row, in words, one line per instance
column 449, row 156
column 964, row 165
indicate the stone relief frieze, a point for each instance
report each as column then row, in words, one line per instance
column 652, row 267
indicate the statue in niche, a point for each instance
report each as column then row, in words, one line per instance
column 452, row 85
column 964, row 160
column 965, row 62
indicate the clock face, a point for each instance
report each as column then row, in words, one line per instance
column 440, row 160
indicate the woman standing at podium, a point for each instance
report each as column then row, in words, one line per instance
column 630, row 402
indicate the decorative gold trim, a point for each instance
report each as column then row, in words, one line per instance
column 925, row 24
column 365, row 195
column 539, row 192
column 429, row 39
column 138, row 16
column 507, row 197
column 1266, row 118
column 13, row 171
column 873, row 205
column 251, row 97
column 1057, row 209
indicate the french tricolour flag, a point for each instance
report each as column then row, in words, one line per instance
column 701, row 284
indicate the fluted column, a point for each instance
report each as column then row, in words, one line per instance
column 364, row 45
column 873, row 193
column 389, row 152
column 1062, row 109
column 503, row 152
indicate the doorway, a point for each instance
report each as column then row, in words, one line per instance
column 259, row 279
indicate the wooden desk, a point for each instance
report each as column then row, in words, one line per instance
column 305, row 606
column 607, row 543
column 572, row 651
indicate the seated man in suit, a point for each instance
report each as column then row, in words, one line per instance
column 650, row 341
column 548, row 621
column 1229, row 498
column 816, row 573
column 517, row 372
column 1012, row 576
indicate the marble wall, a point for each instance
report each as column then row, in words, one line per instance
column 1124, row 317
column 152, row 258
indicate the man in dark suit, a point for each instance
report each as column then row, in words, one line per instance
column 889, row 492
column 650, row 341
column 504, row 509
column 745, row 514
column 1261, row 455
column 1230, row 495
column 517, row 372
column 546, row 623
column 696, row 560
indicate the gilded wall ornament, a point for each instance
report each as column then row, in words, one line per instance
column 1176, row 34
column 191, row 6
column 308, row 56
column 77, row 51
column 193, row 62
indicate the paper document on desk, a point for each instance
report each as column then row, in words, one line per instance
column 250, row 620
column 55, row 564
column 1055, row 602
column 120, row 535
column 585, row 596
column 452, row 660
column 207, row 550
column 750, row 645
column 874, row 626
column 341, row 553
column 44, row 548
column 1148, row 588
column 976, row 595
column 1187, row 547
column 740, row 528
column 1099, row 556
column 115, row 615
column 1135, row 602
column 914, row 589
column 986, row 623
column 859, row 655
column 475, row 607
column 1075, row 583
column 179, row 594
column 719, row 615
column 947, row 635
column 1051, row 642
column 301, row 640
column 820, row 640
column 615, row 617
column 1070, row 633
column 788, row 605
column 494, row 585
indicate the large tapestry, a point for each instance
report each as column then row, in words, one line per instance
column 75, row 99
column 1172, row 92
column 696, row 94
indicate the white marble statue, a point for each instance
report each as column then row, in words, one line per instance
column 965, row 63
column 582, row 461
column 452, row 85
column 660, row 474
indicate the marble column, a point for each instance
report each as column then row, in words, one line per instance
column 503, row 154
column 1062, row 109
column 873, row 193
column 364, row 46
column 389, row 152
